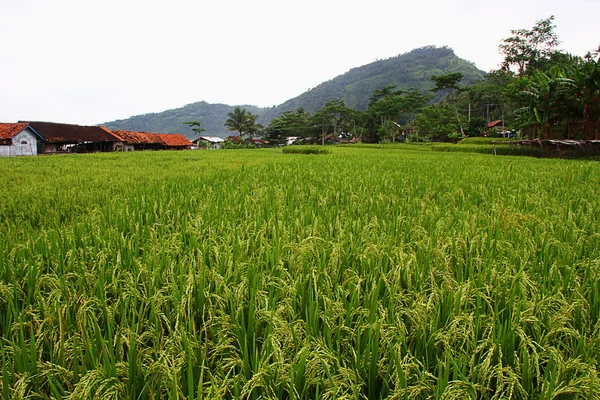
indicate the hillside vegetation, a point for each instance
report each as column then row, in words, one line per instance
column 212, row 116
column 410, row 70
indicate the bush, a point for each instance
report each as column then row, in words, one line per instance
column 305, row 150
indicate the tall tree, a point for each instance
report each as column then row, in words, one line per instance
column 242, row 121
column 333, row 115
column 289, row 124
column 448, row 84
column 528, row 49
column 196, row 126
column 236, row 121
column 586, row 76
column 391, row 108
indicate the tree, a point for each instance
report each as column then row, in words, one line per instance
column 252, row 128
column 448, row 84
column 242, row 121
column 488, row 99
column 435, row 122
column 529, row 49
column 334, row 115
column 390, row 108
column 237, row 120
column 289, row 124
column 196, row 126
column 586, row 77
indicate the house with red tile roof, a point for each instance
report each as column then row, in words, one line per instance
column 18, row 139
column 133, row 140
column 175, row 141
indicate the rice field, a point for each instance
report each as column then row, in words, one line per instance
column 254, row 274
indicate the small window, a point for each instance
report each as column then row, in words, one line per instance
column 24, row 142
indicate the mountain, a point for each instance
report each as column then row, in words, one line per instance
column 409, row 70
column 212, row 116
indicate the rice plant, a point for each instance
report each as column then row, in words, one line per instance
column 364, row 274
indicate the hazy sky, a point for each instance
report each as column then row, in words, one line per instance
column 88, row 62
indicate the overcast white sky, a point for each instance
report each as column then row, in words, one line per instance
column 88, row 62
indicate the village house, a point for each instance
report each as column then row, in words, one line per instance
column 68, row 138
column 175, row 141
column 208, row 142
column 18, row 139
column 133, row 140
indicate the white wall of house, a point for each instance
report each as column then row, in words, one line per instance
column 24, row 143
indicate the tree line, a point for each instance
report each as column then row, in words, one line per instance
column 538, row 92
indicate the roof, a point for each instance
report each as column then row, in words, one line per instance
column 174, row 140
column 133, row 137
column 165, row 139
column 495, row 123
column 212, row 139
column 55, row 133
column 10, row 130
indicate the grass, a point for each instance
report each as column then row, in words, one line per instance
column 251, row 274
column 481, row 140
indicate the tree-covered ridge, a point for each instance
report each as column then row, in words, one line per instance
column 355, row 88
column 212, row 117
column 410, row 70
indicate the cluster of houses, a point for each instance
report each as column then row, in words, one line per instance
column 32, row 138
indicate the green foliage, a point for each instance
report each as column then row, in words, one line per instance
column 212, row 116
column 562, row 100
column 436, row 122
column 367, row 273
column 405, row 71
column 529, row 50
column 475, row 127
column 447, row 82
column 305, row 150
column 243, row 122
column 196, row 126
column 482, row 140
column 333, row 118
column 230, row 145
column 289, row 123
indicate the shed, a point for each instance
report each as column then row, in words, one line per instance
column 208, row 141
column 18, row 139
column 134, row 140
column 68, row 138
column 498, row 124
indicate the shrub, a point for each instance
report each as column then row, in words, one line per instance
column 305, row 150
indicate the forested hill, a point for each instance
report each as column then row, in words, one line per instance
column 410, row 70
column 212, row 116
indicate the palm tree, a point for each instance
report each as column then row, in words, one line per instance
column 237, row 121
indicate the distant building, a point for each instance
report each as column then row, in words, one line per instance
column 18, row 139
column 133, row 140
column 175, row 141
column 68, row 138
column 208, row 142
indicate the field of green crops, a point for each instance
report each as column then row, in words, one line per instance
column 254, row 274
